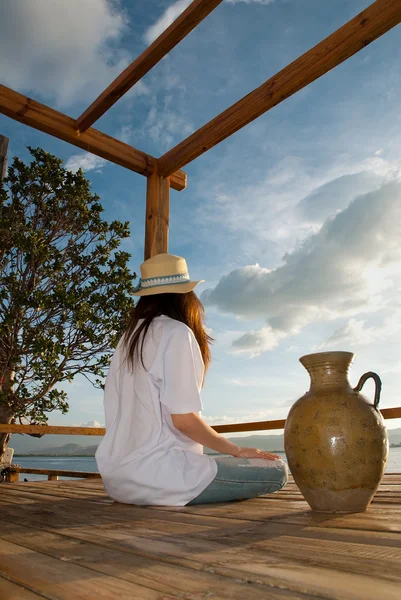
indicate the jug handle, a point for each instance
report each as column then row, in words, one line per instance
column 378, row 387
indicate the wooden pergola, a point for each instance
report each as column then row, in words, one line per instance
column 165, row 172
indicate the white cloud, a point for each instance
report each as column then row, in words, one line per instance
column 65, row 50
column 84, row 161
column 91, row 424
column 263, row 382
column 341, row 270
column 357, row 333
column 395, row 369
column 165, row 124
column 289, row 201
column 169, row 16
column 255, row 343
column 243, row 418
column 173, row 11
column 335, row 195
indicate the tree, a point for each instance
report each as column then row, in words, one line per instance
column 64, row 287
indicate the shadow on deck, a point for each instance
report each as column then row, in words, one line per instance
column 67, row 540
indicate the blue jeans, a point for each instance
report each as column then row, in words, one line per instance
column 243, row 478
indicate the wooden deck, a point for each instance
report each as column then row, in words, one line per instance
column 67, row 540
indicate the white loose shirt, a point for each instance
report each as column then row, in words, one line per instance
column 143, row 458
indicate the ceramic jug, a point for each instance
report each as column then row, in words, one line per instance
column 335, row 439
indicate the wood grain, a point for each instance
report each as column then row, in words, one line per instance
column 46, row 119
column 51, row 429
column 13, row 591
column 377, row 19
column 57, row 472
column 148, row 572
column 157, row 215
column 63, row 580
column 272, row 547
column 180, row 28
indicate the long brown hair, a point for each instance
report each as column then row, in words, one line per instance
column 186, row 308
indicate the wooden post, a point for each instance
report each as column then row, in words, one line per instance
column 3, row 156
column 13, row 477
column 157, row 215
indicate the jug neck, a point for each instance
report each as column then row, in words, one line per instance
column 328, row 369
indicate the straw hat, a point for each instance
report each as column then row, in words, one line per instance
column 164, row 274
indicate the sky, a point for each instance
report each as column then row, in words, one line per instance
column 294, row 222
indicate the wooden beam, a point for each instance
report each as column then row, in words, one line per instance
column 51, row 429
column 377, row 19
column 157, row 215
column 41, row 117
column 3, row 156
column 53, row 474
column 180, row 28
column 387, row 413
column 256, row 426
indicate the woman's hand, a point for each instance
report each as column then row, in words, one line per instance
column 255, row 453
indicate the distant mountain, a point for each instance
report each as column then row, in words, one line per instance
column 394, row 435
column 25, row 444
column 33, row 446
column 66, row 450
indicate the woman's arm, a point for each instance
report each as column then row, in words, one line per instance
column 193, row 426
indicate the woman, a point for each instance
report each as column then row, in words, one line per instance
column 152, row 452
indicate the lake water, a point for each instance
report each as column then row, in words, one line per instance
column 88, row 463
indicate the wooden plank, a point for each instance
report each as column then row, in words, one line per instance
column 261, row 512
column 53, row 496
column 50, row 495
column 46, row 119
column 342, row 556
column 3, row 156
column 150, row 573
column 13, row 591
column 254, row 426
column 374, row 21
column 157, row 215
column 83, row 514
column 179, row 551
column 57, row 472
column 379, row 517
column 177, row 31
column 242, row 552
column 391, row 413
column 240, row 560
column 63, row 580
column 251, row 551
column 51, row 429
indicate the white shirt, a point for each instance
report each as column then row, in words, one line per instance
column 143, row 458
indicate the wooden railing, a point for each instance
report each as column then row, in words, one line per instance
column 13, row 472
column 387, row 413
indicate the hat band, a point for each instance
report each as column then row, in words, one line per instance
column 152, row 282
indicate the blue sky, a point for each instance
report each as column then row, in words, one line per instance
column 294, row 222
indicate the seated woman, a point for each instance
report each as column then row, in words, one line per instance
column 152, row 452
